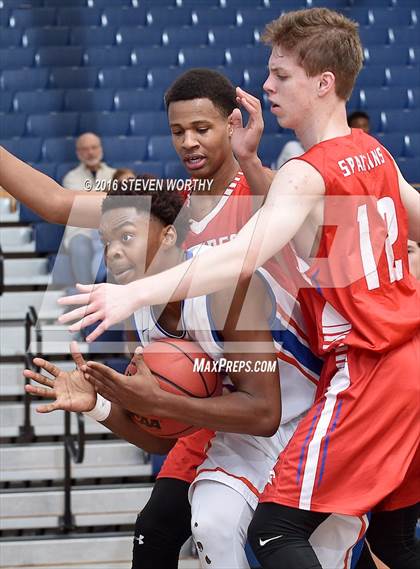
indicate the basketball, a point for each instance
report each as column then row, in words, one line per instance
column 172, row 364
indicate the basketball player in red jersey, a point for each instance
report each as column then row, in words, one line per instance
column 345, row 195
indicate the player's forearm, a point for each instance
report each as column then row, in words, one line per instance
column 259, row 177
column 45, row 197
column 119, row 423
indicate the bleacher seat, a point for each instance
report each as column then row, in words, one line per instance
column 386, row 55
column 59, row 3
column 354, row 103
column 16, row 57
column 105, row 123
column 5, row 102
column 410, row 169
column 231, row 35
column 400, row 120
column 185, row 36
column 202, row 56
column 371, row 76
column 140, row 167
column 92, row 35
column 139, row 35
column 414, row 55
column 149, row 123
column 371, row 35
column 236, row 76
column 154, row 56
column 405, row 35
column 194, row 3
column 394, row 142
column 24, row 79
column 53, row 124
column 176, row 170
column 58, row 150
column 34, row 37
column 74, row 17
column 271, row 125
column 398, row 16
column 126, row 16
column 383, row 98
column 169, row 16
column 12, row 125
column 271, row 145
column 124, row 148
column 39, row 101
column 48, row 237
column 122, row 77
column 334, row 4
column 139, row 99
column 48, row 168
column 65, row 167
column 63, row 56
column 108, row 3
column 214, row 16
column 19, row 3
column 89, row 99
column 106, row 55
column 162, row 76
column 74, row 77
column 161, row 148
column 10, row 37
column 252, row 56
column 413, row 96
column 27, row 149
column 412, row 145
column 403, row 75
column 257, row 16
column 27, row 17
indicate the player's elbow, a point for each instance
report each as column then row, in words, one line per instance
column 268, row 421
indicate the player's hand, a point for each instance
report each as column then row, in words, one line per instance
column 138, row 393
column 245, row 140
column 70, row 390
column 107, row 303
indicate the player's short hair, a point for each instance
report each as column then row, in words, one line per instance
column 322, row 40
column 202, row 83
column 167, row 206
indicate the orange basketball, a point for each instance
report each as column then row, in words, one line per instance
column 172, row 363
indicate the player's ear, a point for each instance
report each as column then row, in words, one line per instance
column 326, row 82
column 169, row 236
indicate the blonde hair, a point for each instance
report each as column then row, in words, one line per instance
column 322, row 40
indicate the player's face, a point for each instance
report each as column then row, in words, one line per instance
column 291, row 92
column 131, row 240
column 414, row 258
column 200, row 135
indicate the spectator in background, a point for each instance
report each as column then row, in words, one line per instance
column 290, row 150
column 359, row 119
column 83, row 244
column 123, row 174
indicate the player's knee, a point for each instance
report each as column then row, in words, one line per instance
column 211, row 529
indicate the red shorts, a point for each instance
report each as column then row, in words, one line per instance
column 186, row 456
column 357, row 446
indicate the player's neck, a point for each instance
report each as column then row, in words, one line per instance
column 327, row 123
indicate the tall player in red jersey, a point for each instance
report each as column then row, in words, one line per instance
column 349, row 212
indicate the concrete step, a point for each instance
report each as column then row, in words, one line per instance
column 45, row 424
column 91, row 506
column 74, row 553
column 17, row 240
column 14, row 305
column 12, row 381
column 26, row 272
column 38, row 461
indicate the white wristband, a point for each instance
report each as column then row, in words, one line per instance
column 101, row 410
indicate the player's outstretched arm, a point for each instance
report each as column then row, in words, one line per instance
column 47, row 198
column 295, row 191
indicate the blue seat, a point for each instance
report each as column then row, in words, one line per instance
column 255, row 76
column 257, row 16
column 142, row 167
column 74, row 77
column 371, row 76
column 169, row 16
column 161, row 148
column 414, row 55
column 24, row 79
column 4, row 17
column 271, row 126
column 48, row 168
column 108, row 3
column 162, row 76
column 12, row 125
column 16, row 57
column 327, row 3
column 104, row 56
column 371, row 35
column 5, row 101
column 403, row 76
column 122, row 77
column 139, row 100
column 236, row 76
column 413, row 96
column 124, row 148
column 105, row 123
column 27, row 149
column 400, row 16
column 354, row 103
column 231, row 35
column 410, row 169
column 183, row 36
column 386, row 55
column 393, row 142
column 149, row 123
column 26, row 215
column 27, row 17
column 74, row 17
column 214, row 16
column 34, row 37
column 175, row 170
column 362, row 14
column 271, row 145
column 48, row 237
column 252, row 56
column 195, row 3
column 64, row 168
column 41, row 101
column 92, row 35
column 405, row 35
column 116, row 16
column 202, row 56
column 89, row 100
column 63, row 56
column 53, row 124
column 10, row 37
column 412, row 145
column 384, row 98
column 154, row 56
column 405, row 120
column 139, row 35
column 59, row 150
column 59, row 3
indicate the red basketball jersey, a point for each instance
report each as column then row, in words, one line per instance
column 360, row 291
